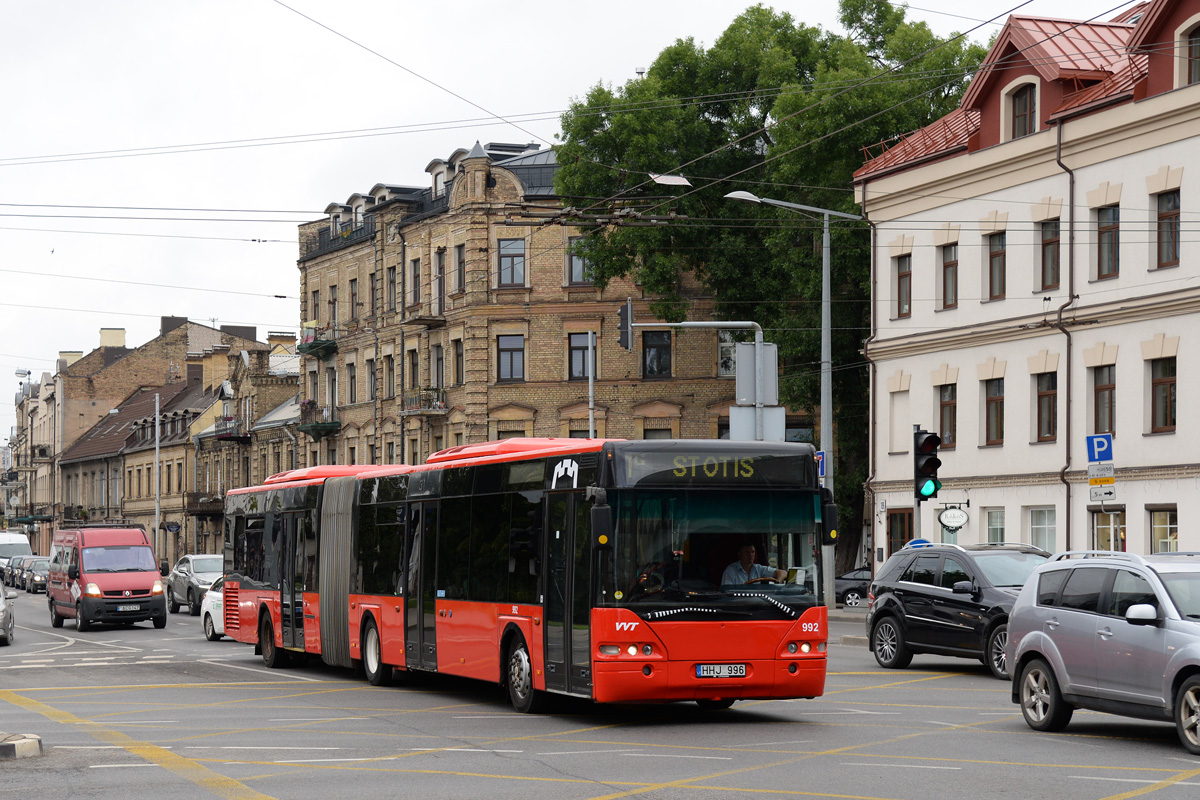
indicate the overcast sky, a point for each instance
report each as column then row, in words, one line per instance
column 202, row 223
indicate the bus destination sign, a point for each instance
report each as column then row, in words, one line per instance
column 666, row 468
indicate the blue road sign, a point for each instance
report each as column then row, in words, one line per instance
column 820, row 463
column 1099, row 447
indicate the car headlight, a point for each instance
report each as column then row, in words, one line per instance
column 156, row 588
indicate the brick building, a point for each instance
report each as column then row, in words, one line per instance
column 452, row 314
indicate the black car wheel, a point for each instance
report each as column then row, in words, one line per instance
column 1187, row 715
column 888, row 643
column 172, row 603
column 1042, row 703
column 7, row 638
column 997, row 661
column 193, row 604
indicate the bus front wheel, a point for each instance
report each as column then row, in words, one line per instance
column 525, row 699
column 378, row 673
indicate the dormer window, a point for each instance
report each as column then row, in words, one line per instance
column 1024, row 108
column 439, row 183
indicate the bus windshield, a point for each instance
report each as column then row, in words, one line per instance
column 118, row 558
column 675, row 547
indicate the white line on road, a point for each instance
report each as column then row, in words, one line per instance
column 769, row 744
column 139, row 722
column 904, row 766
column 503, row 716
column 663, row 755
column 254, row 747
column 118, row 766
column 332, row 760
column 1125, row 780
column 315, row 719
column 273, row 673
column 581, row 752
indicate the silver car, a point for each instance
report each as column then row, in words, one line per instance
column 1111, row 632
column 190, row 579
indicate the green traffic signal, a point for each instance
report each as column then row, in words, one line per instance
column 925, row 464
column 929, row 487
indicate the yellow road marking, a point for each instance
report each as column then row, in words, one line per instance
column 1154, row 787
column 186, row 768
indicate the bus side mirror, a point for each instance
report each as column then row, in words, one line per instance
column 829, row 518
column 601, row 527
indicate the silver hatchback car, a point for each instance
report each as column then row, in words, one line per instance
column 1111, row 632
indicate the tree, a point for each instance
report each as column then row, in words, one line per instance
column 781, row 109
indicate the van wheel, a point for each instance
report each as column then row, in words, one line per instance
column 525, row 699
column 82, row 623
column 273, row 656
column 1187, row 715
column 378, row 673
column 56, row 619
column 1042, row 703
column 159, row 622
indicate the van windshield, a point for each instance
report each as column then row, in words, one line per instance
column 9, row 549
column 118, row 558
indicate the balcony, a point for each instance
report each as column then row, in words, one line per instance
column 318, row 342
column 203, row 504
column 232, row 429
column 423, row 401
column 326, row 240
column 318, row 421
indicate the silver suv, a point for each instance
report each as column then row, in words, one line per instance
column 1111, row 632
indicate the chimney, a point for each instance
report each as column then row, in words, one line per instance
column 68, row 357
column 169, row 324
column 284, row 339
column 112, row 337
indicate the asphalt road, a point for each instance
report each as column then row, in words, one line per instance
column 138, row 712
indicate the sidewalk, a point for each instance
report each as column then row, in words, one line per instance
column 856, row 616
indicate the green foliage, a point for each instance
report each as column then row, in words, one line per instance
column 783, row 110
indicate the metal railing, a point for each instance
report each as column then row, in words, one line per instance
column 310, row 413
column 327, row 240
column 419, row 400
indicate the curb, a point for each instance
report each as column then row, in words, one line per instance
column 856, row 641
column 19, row 745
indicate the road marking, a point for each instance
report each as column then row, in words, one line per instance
column 119, row 766
column 667, row 755
column 315, row 719
column 273, row 673
column 582, row 752
column 524, row 717
column 202, row 776
column 772, row 744
column 1126, row 780
column 902, row 766
column 254, row 747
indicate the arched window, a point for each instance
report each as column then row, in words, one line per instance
column 1193, row 57
column 1024, row 111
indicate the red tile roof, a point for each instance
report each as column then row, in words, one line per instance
column 938, row 138
column 1116, row 86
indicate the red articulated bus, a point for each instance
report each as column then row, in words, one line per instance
column 583, row 567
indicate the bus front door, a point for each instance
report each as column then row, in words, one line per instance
column 291, row 600
column 420, row 634
column 566, row 595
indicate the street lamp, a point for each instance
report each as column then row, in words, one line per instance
column 826, row 346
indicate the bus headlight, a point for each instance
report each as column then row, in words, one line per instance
column 610, row 650
column 632, row 650
column 791, row 648
column 647, row 649
column 806, row 647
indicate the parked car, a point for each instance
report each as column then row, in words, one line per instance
column 1111, row 632
column 12, row 570
column 212, row 610
column 947, row 599
column 36, row 571
column 851, row 588
column 8, row 621
column 190, row 579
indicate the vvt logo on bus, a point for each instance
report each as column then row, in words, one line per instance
column 563, row 469
column 626, row 626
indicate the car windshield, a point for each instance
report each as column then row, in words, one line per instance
column 208, row 564
column 1184, row 588
column 41, row 565
column 118, row 558
column 1009, row 568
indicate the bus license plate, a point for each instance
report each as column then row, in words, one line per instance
column 129, row 608
column 720, row 670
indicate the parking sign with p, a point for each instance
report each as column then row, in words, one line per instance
column 1099, row 447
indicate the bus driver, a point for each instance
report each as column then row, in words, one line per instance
column 745, row 569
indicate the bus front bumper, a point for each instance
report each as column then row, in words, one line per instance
column 668, row 681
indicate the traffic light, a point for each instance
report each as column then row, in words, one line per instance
column 625, row 325
column 925, row 465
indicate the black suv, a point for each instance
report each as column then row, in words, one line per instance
column 947, row 599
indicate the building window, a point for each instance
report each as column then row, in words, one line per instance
column 1108, row 236
column 437, row 366
column 373, row 284
column 439, row 277
column 459, row 366
column 460, row 267
column 372, row 385
column 1024, row 111
column 995, row 524
column 351, row 383
column 577, row 350
column 1108, row 530
column 1104, row 381
column 948, row 414
column 996, row 265
column 414, row 370
column 1050, row 241
column 391, row 288
column 576, row 266
column 726, row 355
column 656, row 355
column 414, row 451
column 1193, row 57
column 995, row 411
column 656, row 433
column 333, row 306
column 1047, row 406
column 351, row 455
column 1162, row 390
column 1041, row 528
column 1168, row 229
column 314, row 310
column 414, row 273
column 390, row 449
column 512, row 262
column 903, row 286
column 354, row 298
column 950, row 276
column 389, row 376
column 510, row 358
column 1164, row 531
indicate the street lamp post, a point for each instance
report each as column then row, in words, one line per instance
column 826, row 347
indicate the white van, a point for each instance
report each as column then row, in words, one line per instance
column 13, row 543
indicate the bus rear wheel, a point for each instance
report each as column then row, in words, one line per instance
column 524, row 698
column 378, row 673
column 273, row 656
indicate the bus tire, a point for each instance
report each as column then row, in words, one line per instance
column 377, row 672
column 524, row 698
column 274, row 657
